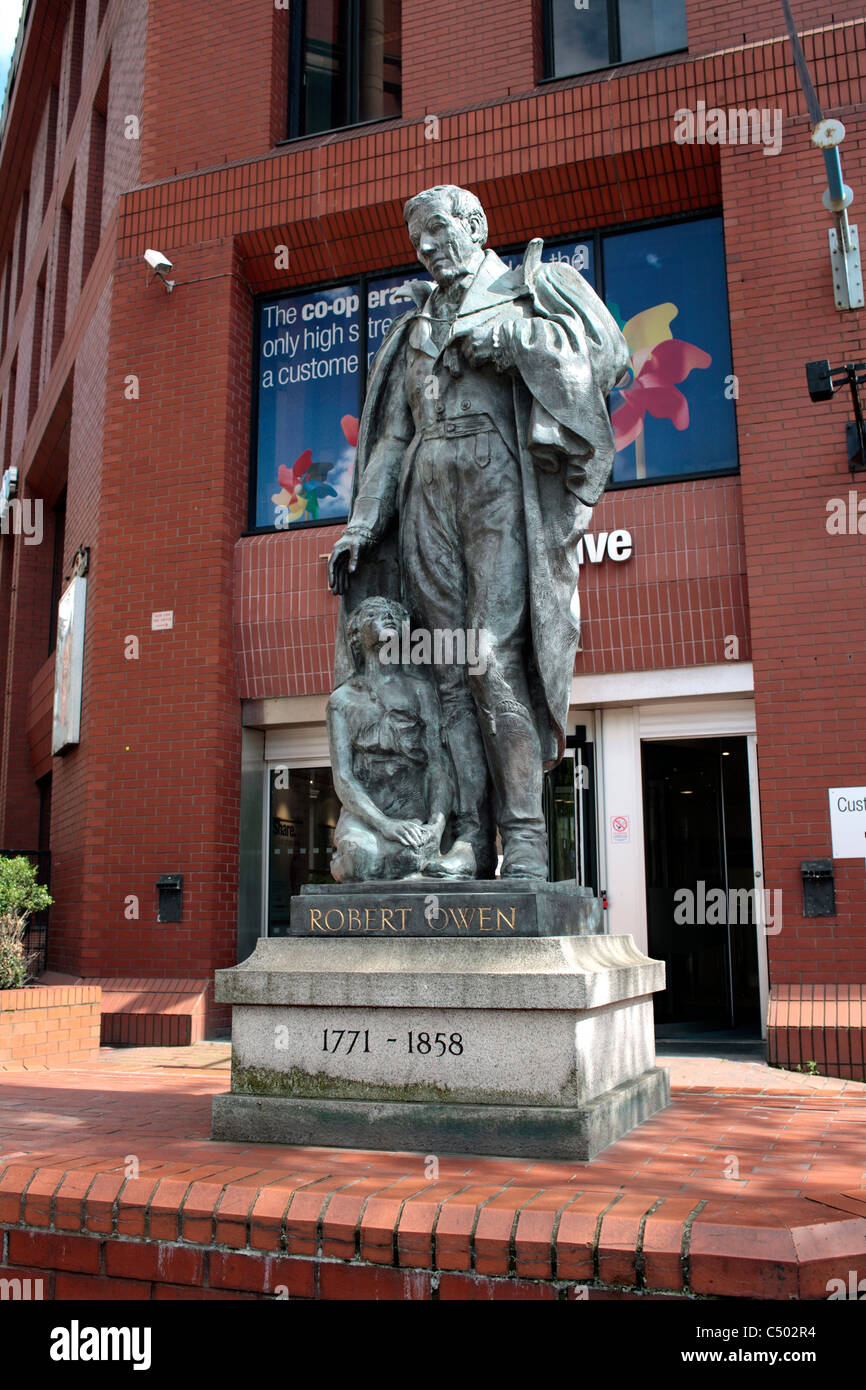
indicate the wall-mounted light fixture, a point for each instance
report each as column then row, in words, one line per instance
column 823, row 382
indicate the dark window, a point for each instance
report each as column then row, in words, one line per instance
column 61, row 273
column 8, row 312
column 10, row 413
column 95, row 181
column 95, row 174
column 345, row 63
column 22, row 246
column 50, row 146
column 602, row 33
column 36, row 354
column 76, row 60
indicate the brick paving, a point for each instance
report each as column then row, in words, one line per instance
column 753, row 1181
column 733, row 1128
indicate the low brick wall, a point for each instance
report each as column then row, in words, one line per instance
column 145, row 1010
column 820, row 1023
column 49, row 1026
column 103, row 1236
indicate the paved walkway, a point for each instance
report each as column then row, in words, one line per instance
column 752, row 1183
column 738, row 1129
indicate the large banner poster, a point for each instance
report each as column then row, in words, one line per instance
column 309, row 396
column 308, row 406
column 672, row 414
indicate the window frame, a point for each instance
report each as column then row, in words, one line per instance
column 595, row 238
column 614, row 46
column 295, row 111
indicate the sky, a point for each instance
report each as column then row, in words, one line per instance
column 10, row 13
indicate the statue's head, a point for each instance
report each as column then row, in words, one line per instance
column 370, row 625
column 448, row 229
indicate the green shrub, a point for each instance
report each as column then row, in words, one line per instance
column 20, row 895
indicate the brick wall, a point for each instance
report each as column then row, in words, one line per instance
column 160, row 750
column 216, row 85
column 808, row 630
column 713, row 25
column 101, row 1235
column 673, row 604
column 437, row 39
column 50, row 1027
column 27, row 648
column 50, row 447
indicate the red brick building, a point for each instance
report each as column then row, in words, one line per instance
column 266, row 151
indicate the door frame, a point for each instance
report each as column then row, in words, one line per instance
column 620, row 789
column 758, row 867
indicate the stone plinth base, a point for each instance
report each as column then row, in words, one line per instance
column 535, row 1046
column 578, row 1132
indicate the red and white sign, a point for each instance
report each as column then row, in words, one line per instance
column 161, row 622
column 619, row 830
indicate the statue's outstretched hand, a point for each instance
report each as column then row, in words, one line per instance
column 344, row 560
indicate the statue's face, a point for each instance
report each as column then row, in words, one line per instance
column 444, row 243
column 377, row 628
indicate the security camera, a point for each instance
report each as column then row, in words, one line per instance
column 158, row 262
column 160, row 265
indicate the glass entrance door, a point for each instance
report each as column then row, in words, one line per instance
column 569, row 808
column 302, row 816
column 701, row 915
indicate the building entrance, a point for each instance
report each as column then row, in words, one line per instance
column 302, row 816
column 569, row 812
column 700, row 884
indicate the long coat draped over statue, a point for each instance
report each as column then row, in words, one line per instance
column 566, row 353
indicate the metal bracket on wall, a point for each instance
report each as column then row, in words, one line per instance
column 845, row 264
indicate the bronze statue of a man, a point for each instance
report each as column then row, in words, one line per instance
column 484, row 444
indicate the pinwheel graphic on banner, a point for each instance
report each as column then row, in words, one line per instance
column 658, row 363
column 303, row 486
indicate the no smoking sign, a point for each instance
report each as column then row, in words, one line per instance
column 619, row 830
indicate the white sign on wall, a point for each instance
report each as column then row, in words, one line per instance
column 619, row 830
column 613, row 545
column 848, row 822
column 69, row 666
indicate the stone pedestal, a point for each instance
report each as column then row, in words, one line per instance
column 537, row 1046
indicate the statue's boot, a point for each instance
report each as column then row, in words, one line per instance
column 459, row 862
column 514, row 753
column 473, row 812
